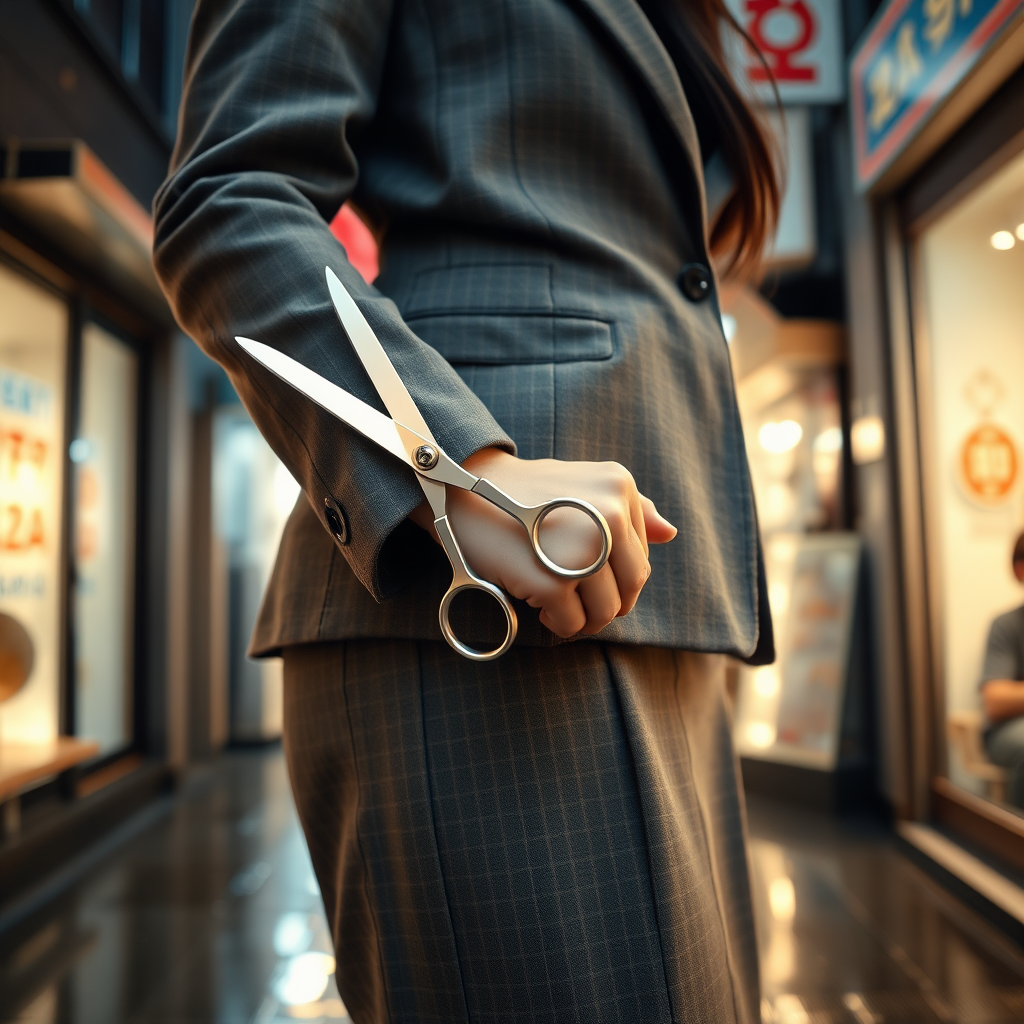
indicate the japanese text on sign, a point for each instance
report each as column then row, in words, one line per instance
column 801, row 46
column 913, row 56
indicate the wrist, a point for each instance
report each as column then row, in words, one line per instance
column 485, row 462
column 488, row 461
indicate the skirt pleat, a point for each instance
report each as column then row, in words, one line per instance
column 555, row 836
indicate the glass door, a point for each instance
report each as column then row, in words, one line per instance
column 104, row 453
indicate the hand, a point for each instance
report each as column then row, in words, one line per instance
column 498, row 550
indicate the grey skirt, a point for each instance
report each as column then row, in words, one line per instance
column 555, row 836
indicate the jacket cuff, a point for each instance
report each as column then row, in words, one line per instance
column 372, row 527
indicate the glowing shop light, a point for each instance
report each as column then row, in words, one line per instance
column 781, row 437
column 782, row 899
column 829, row 441
column 304, row 979
column 766, row 681
column 867, row 439
column 1003, row 240
column 1020, row 232
column 778, row 597
column 729, row 324
column 292, row 934
column 760, row 734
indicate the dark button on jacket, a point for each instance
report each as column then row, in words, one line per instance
column 337, row 523
column 695, row 282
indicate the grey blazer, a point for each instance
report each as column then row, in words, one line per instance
column 533, row 173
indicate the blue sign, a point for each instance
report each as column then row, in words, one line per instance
column 915, row 53
column 24, row 395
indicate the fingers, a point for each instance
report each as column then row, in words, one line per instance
column 561, row 610
column 629, row 563
column 636, row 516
column 601, row 600
column 657, row 528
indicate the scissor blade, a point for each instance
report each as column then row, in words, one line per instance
column 338, row 402
column 378, row 366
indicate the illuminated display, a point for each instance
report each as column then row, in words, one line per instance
column 33, row 339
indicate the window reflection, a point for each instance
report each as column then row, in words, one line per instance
column 970, row 269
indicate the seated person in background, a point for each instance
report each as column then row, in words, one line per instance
column 1002, row 690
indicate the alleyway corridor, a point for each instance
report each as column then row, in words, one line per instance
column 210, row 914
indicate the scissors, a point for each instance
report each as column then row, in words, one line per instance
column 407, row 437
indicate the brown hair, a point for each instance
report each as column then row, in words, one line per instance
column 748, row 217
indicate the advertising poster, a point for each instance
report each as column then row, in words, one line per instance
column 792, row 711
column 33, row 341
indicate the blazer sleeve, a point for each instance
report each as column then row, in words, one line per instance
column 277, row 94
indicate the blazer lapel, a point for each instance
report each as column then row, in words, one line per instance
column 629, row 27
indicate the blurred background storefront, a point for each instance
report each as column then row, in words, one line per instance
column 137, row 529
column 935, row 221
column 802, row 725
column 878, row 367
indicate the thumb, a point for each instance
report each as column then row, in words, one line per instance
column 659, row 529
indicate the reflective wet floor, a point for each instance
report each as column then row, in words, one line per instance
column 212, row 915
column 850, row 930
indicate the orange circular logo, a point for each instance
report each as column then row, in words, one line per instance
column 988, row 464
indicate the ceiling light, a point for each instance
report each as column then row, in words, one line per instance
column 1020, row 232
column 1003, row 240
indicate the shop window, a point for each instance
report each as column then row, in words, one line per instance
column 104, row 457
column 253, row 496
column 970, row 264
column 33, row 359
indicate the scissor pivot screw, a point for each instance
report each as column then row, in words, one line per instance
column 426, row 456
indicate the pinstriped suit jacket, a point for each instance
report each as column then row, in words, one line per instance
column 533, row 172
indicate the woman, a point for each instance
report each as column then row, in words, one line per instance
column 556, row 835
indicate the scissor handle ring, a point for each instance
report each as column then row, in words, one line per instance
column 599, row 521
column 506, row 606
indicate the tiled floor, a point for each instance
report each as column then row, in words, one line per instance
column 850, row 930
column 212, row 915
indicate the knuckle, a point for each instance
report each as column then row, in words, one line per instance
column 624, row 476
column 616, row 519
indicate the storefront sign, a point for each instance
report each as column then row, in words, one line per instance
column 989, row 466
column 914, row 56
column 801, row 42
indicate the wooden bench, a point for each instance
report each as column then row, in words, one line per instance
column 25, row 765
column 964, row 729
